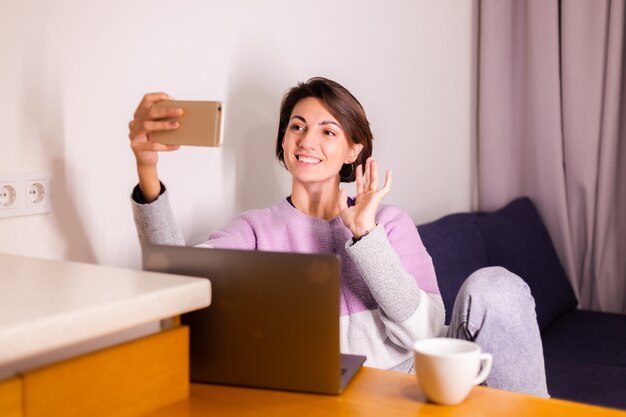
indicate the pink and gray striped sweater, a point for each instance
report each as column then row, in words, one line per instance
column 389, row 292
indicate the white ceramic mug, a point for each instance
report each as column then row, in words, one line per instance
column 447, row 369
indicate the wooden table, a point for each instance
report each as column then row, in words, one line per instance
column 373, row 392
column 89, row 340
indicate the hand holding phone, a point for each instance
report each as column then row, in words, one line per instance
column 200, row 125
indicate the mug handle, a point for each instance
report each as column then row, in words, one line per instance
column 487, row 359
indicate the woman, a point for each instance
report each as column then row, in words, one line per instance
column 389, row 292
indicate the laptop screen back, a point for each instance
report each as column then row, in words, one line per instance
column 273, row 321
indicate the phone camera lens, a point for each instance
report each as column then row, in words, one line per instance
column 219, row 108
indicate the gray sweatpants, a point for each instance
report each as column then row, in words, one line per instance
column 495, row 309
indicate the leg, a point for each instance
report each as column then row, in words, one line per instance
column 495, row 309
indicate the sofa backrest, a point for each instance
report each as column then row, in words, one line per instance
column 516, row 238
column 513, row 237
column 456, row 247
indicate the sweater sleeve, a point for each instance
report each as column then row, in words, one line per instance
column 155, row 221
column 396, row 267
column 156, row 225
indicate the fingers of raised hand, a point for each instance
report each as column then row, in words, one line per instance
column 141, row 128
column 148, row 100
column 146, row 110
column 373, row 174
column 133, row 130
column 370, row 183
column 164, row 113
column 154, row 147
column 387, row 186
column 152, row 126
column 358, row 178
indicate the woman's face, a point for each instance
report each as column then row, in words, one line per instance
column 314, row 145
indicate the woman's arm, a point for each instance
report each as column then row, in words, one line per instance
column 154, row 220
column 156, row 225
column 392, row 261
column 146, row 120
column 399, row 273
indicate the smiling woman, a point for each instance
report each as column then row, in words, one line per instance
column 345, row 111
column 323, row 131
column 389, row 292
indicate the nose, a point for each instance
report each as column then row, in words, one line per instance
column 307, row 140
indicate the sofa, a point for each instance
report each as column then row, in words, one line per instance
column 585, row 351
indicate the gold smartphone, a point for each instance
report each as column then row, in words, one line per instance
column 201, row 124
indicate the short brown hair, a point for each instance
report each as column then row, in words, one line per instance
column 342, row 105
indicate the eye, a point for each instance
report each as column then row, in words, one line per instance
column 330, row 133
column 296, row 127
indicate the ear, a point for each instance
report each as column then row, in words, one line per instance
column 353, row 153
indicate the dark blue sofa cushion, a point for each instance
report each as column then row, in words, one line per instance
column 515, row 238
column 585, row 354
column 455, row 245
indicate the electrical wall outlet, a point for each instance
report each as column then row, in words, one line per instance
column 24, row 194
column 37, row 192
column 8, row 195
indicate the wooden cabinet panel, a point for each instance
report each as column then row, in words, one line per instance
column 127, row 380
column 11, row 398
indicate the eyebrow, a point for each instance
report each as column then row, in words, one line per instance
column 322, row 123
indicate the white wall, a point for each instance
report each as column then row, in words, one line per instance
column 72, row 73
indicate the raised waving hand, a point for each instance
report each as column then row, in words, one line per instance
column 361, row 218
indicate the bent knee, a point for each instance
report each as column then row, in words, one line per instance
column 496, row 285
column 496, row 277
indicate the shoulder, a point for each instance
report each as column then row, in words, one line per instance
column 388, row 214
column 397, row 223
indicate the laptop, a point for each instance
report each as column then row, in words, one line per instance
column 273, row 321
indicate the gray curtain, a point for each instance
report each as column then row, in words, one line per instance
column 551, row 114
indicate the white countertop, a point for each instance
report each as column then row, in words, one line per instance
column 47, row 304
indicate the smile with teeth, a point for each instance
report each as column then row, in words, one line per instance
column 308, row 159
